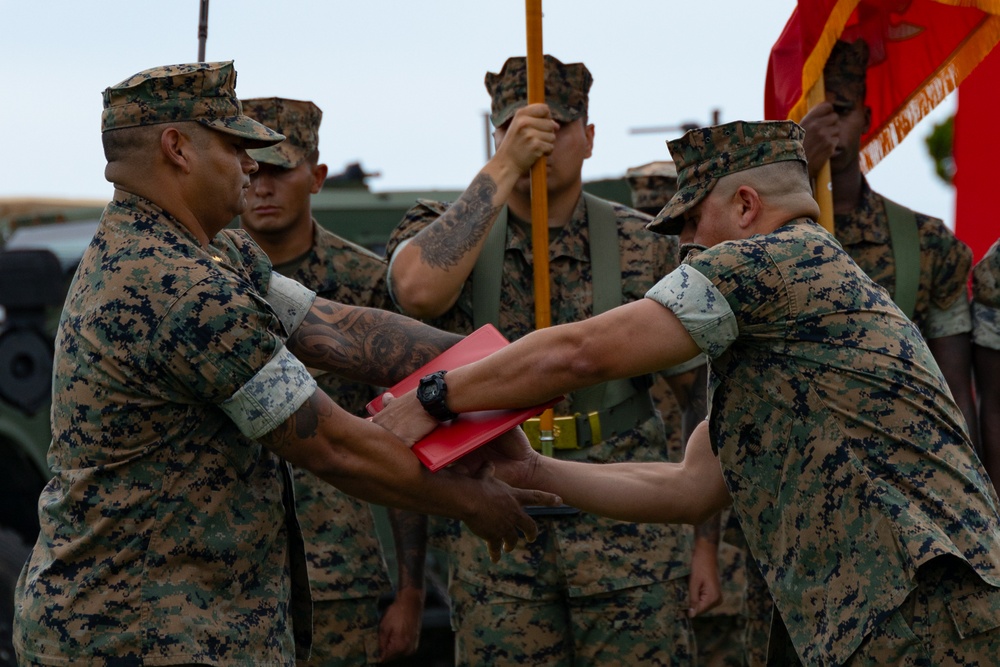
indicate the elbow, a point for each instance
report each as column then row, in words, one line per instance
column 585, row 361
column 419, row 299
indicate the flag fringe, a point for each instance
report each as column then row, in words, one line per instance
column 976, row 46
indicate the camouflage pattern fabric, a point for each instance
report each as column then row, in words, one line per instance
column 298, row 120
column 566, row 89
column 163, row 531
column 652, row 185
column 345, row 633
column 760, row 608
column 583, row 555
column 986, row 299
column 945, row 263
column 845, row 72
column 201, row 92
column 704, row 155
column 844, row 453
column 626, row 627
column 344, row 554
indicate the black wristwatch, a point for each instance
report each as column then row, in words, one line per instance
column 431, row 393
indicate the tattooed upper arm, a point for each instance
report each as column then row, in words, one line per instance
column 443, row 243
column 366, row 344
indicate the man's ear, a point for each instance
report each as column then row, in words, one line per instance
column 748, row 205
column 868, row 120
column 319, row 177
column 177, row 148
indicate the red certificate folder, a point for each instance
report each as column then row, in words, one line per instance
column 453, row 440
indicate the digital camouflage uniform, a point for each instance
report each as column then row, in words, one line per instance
column 347, row 572
column 163, row 530
column 625, row 585
column 848, row 463
column 719, row 631
column 164, row 535
column 942, row 307
column 986, row 299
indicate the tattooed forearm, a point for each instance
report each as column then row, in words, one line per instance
column 304, row 423
column 461, row 228
column 409, row 529
column 710, row 530
column 366, row 344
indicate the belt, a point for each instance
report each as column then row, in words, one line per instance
column 584, row 430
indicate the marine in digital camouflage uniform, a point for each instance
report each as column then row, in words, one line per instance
column 831, row 430
column 861, row 223
column 720, row 631
column 986, row 354
column 168, row 534
column 589, row 591
column 347, row 571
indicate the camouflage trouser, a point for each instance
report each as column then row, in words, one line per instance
column 952, row 619
column 759, row 609
column 720, row 641
column 645, row 625
column 345, row 633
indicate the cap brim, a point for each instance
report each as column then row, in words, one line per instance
column 278, row 155
column 256, row 134
column 670, row 220
column 559, row 113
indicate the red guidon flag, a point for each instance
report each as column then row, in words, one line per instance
column 920, row 51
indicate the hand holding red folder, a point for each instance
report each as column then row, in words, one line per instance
column 452, row 440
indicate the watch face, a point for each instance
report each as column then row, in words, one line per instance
column 431, row 392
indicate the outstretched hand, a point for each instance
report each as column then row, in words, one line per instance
column 498, row 516
column 510, row 454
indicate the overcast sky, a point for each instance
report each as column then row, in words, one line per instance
column 400, row 82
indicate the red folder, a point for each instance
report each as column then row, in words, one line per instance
column 453, row 440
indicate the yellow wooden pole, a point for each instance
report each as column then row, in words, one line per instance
column 823, row 190
column 539, row 198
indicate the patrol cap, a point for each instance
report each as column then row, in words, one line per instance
column 566, row 89
column 652, row 185
column 296, row 119
column 201, row 92
column 706, row 154
column 846, row 71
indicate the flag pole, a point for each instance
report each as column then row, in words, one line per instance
column 539, row 198
column 823, row 191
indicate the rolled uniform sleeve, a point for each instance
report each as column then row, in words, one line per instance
column 701, row 308
column 224, row 345
column 948, row 312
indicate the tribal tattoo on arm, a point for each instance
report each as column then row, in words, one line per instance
column 445, row 242
column 368, row 345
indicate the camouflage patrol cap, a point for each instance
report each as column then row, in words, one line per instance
column 706, row 154
column 201, row 92
column 652, row 185
column 846, row 70
column 296, row 119
column 566, row 89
